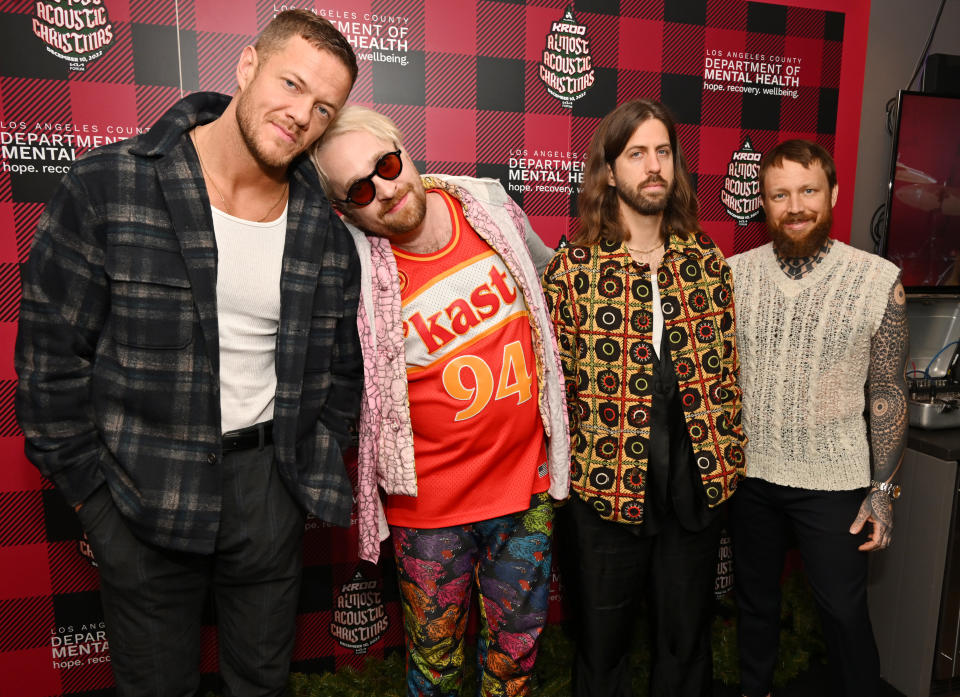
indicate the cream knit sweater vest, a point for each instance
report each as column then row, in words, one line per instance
column 804, row 356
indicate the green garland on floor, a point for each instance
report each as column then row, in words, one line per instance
column 800, row 644
column 801, row 641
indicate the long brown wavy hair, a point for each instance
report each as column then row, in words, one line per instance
column 598, row 202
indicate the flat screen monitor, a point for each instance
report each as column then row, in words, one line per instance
column 923, row 204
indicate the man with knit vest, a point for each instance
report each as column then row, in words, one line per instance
column 817, row 320
column 463, row 422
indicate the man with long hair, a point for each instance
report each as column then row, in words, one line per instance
column 463, row 422
column 819, row 320
column 188, row 363
column 642, row 303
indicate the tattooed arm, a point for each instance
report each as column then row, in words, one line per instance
column 887, row 392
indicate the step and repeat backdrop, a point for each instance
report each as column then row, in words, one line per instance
column 509, row 89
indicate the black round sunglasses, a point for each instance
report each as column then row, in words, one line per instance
column 363, row 191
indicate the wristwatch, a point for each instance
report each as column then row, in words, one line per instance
column 889, row 488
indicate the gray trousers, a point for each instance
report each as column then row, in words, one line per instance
column 153, row 598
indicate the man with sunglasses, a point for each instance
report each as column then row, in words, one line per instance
column 463, row 422
column 189, row 364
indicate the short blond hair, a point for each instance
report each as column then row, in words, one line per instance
column 351, row 118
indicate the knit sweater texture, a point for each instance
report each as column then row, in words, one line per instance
column 805, row 356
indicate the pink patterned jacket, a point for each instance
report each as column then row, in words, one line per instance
column 385, row 456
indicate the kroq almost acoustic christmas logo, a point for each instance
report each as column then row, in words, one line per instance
column 359, row 616
column 77, row 31
column 741, row 186
column 566, row 66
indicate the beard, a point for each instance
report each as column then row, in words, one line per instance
column 790, row 246
column 247, row 122
column 643, row 204
column 406, row 220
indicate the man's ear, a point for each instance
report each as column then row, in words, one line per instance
column 247, row 66
column 611, row 178
column 833, row 195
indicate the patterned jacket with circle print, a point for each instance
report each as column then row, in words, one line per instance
column 601, row 304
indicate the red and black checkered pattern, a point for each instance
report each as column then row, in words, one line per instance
column 471, row 92
column 469, row 99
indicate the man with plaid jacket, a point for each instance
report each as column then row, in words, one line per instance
column 189, row 363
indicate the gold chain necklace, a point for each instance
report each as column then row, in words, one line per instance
column 643, row 251
column 196, row 146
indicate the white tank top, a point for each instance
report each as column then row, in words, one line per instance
column 249, row 261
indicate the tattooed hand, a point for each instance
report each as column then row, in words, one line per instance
column 877, row 509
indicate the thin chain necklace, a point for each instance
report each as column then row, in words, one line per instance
column 643, row 251
column 196, row 146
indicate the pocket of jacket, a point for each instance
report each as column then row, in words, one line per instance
column 151, row 299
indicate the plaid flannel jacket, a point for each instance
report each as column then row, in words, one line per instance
column 117, row 351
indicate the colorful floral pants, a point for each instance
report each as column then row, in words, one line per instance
column 508, row 559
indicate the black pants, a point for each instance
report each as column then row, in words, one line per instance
column 152, row 598
column 762, row 516
column 607, row 568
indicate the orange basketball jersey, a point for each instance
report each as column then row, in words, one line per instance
column 478, row 439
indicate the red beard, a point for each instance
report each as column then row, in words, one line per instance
column 403, row 221
column 790, row 246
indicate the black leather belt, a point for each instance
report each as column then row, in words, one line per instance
column 255, row 436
